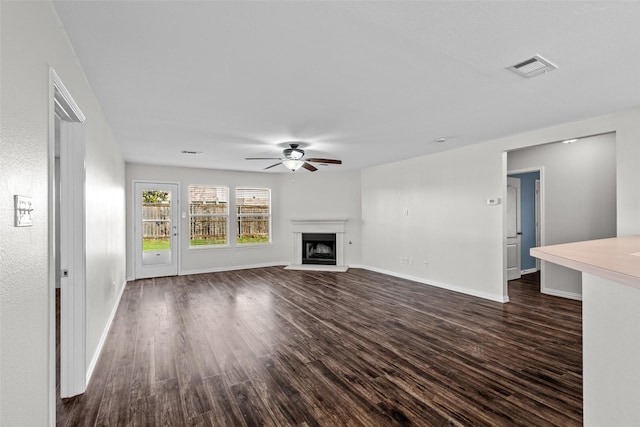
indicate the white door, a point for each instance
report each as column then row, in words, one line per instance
column 156, row 229
column 513, row 228
column 72, row 256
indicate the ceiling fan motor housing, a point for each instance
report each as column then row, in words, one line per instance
column 293, row 153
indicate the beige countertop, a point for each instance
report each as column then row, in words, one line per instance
column 616, row 259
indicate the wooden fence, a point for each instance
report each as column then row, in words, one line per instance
column 156, row 221
column 207, row 221
column 252, row 221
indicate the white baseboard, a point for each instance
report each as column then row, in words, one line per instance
column 528, row 271
column 105, row 333
column 233, row 267
column 563, row 294
column 483, row 295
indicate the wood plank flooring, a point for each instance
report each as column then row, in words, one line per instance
column 276, row 347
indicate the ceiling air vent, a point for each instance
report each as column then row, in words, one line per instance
column 533, row 67
column 193, row 153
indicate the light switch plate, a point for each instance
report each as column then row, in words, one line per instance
column 23, row 211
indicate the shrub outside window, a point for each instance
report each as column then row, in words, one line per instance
column 253, row 215
column 208, row 216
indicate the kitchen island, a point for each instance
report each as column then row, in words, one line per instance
column 610, row 324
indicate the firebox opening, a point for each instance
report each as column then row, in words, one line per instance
column 319, row 248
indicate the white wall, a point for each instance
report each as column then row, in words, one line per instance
column 31, row 41
column 579, row 191
column 200, row 260
column 626, row 126
column 449, row 224
column 311, row 195
column 325, row 194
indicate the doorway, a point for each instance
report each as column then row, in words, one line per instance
column 67, row 250
column 156, row 229
column 529, row 216
column 578, row 198
column 528, row 224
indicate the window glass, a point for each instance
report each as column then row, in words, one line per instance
column 253, row 215
column 208, row 215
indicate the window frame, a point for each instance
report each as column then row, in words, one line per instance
column 267, row 215
column 226, row 216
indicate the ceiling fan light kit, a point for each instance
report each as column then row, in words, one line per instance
column 292, row 159
column 293, row 164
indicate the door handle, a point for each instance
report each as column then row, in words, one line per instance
column 519, row 233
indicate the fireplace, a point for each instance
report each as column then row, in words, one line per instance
column 319, row 248
column 318, row 244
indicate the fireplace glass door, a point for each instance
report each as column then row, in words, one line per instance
column 319, row 248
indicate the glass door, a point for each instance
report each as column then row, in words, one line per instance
column 156, row 229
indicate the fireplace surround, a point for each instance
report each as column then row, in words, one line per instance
column 326, row 242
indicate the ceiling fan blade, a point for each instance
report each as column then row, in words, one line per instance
column 274, row 165
column 328, row 161
column 262, row 158
column 309, row 167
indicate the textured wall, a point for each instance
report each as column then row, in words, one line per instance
column 579, row 198
column 310, row 195
column 328, row 194
column 210, row 259
column 449, row 224
column 32, row 40
column 432, row 210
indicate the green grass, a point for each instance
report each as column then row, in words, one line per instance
column 206, row 242
column 253, row 239
column 155, row 245
column 165, row 245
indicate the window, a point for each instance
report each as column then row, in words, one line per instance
column 156, row 220
column 253, row 208
column 208, row 215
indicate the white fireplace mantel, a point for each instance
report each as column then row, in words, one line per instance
column 318, row 225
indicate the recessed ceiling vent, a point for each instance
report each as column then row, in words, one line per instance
column 533, row 67
column 192, row 153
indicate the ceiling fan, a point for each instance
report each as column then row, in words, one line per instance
column 293, row 159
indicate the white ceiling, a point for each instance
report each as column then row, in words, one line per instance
column 365, row 82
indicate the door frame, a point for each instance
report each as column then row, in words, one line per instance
column 72, row 174
column 538, row 219
column 539, row 169
column 134, row 223
column 515, row 182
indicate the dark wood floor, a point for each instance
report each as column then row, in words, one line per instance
column 289, row 348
